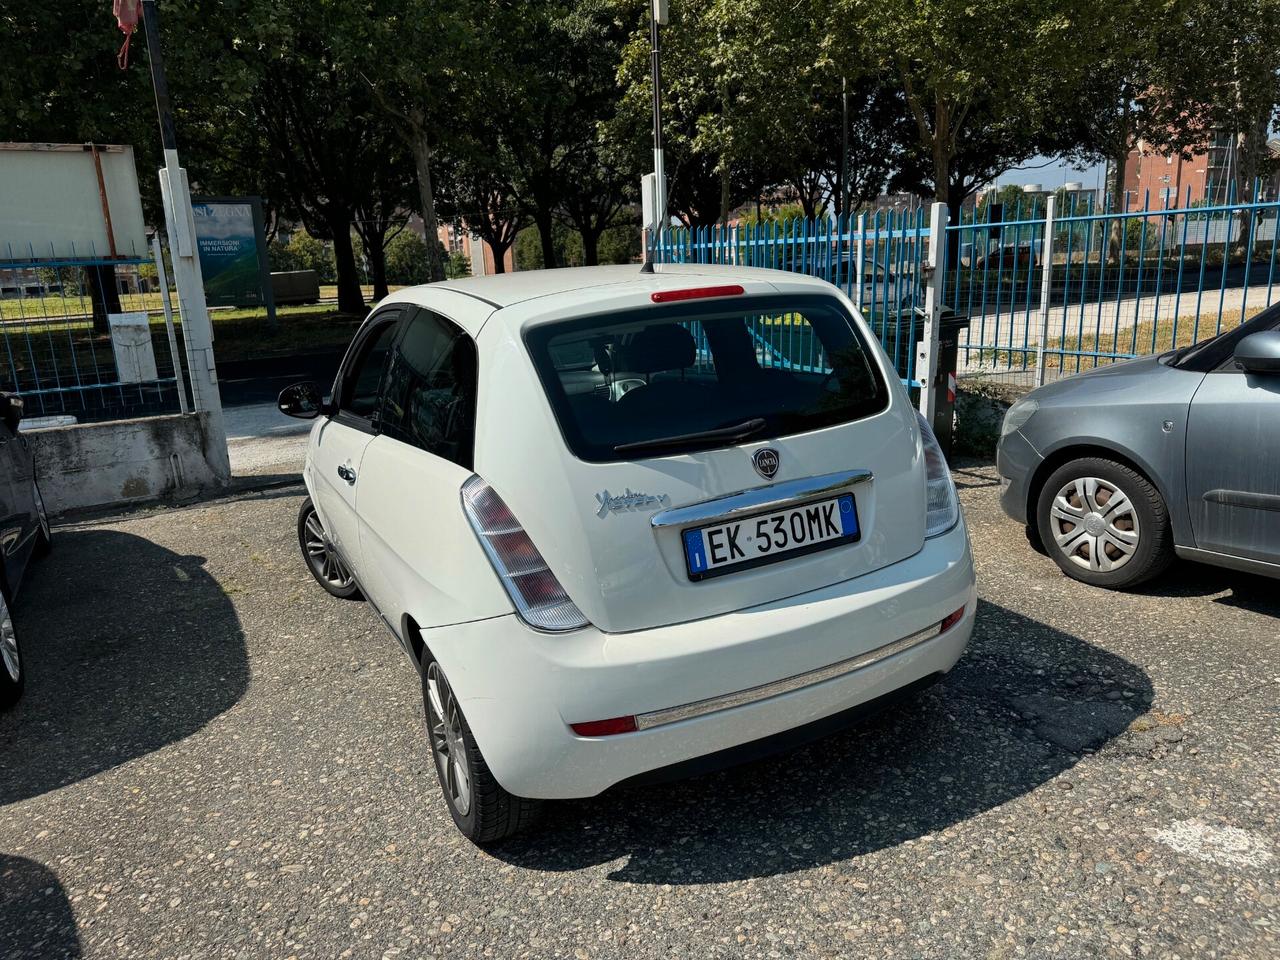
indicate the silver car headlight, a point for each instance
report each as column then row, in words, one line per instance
column 1017, row 415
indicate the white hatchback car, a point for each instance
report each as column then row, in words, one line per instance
column 632, row 523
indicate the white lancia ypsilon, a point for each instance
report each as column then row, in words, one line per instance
column 631, row 523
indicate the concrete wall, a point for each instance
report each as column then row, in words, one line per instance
column 97, row 464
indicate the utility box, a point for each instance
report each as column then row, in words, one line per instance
column 950, row 324
column 131, row 342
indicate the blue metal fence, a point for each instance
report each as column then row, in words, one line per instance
column 1061, row 285
column 874, row 258
column 58, row 353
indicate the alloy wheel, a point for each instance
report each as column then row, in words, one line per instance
column 1094, row 524
column 445, row 720
column 324, row 560
column 9, row 643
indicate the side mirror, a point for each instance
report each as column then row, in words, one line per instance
column 11, row 411
column 1259, row 352
column 301, row 400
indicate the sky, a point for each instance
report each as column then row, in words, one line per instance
column 1052, row 173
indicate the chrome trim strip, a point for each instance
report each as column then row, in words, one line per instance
column 757, row 499
column 687, row 711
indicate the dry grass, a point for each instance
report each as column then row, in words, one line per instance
column 1145, row 338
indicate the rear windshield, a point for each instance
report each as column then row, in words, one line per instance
column 695, row 376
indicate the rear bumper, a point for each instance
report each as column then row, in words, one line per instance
column 1016, row 462
column 520, row 690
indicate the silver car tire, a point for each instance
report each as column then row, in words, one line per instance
column 12, row 674
column 1104, row 524
column 481, row 809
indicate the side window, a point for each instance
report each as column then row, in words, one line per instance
column 360, row 383
column 430, row 395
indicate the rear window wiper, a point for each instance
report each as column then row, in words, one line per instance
column 737, row 431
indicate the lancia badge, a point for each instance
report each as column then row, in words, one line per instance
column 766, row 461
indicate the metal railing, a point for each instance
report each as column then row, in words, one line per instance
column 68, row 360
column 874, row 258
column 1051, row 287
column 1057, row 291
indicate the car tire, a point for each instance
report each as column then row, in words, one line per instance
column 13, row 675
column 483, row 811
column 321, row 557
column 1096, row 538
column 44, row 534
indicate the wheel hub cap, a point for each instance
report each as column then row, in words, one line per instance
column 9, row 643
column 323, row 557
column 444, row 718
column 1094, row 524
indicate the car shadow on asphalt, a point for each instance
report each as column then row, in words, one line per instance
column 1022, row 706
column 1186, row 578
column 128, row 647
column 36, row 922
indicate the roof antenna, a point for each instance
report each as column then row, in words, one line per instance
column 647, row 266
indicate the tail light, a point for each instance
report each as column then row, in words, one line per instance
column 533, row 588
column 942, row 509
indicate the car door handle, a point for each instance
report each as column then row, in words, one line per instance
column 346, row 473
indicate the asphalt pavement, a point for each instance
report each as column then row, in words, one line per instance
column 216, row 759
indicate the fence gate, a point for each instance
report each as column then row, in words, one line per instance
column 85, row 340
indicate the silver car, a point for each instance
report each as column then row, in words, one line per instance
column 1117, row 470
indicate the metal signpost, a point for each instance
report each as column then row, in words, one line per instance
column 197, row 331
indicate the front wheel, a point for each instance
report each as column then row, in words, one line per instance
column 1104, row 524
column 322, row 558
column 12, row 675
column 482, row 810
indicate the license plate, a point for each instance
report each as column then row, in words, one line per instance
column 768, row 537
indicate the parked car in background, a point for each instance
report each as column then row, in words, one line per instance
column 621, row 541
column 1117, row 470
column 24, row 534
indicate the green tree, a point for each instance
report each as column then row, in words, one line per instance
column 407, row 259
column 967, row 67
column 303, row 252
column 418, row 57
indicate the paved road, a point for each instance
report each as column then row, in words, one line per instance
column 215, row 759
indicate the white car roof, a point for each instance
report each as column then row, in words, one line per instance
column 497, row 291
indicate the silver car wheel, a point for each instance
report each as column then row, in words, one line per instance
column 1094, row 524
column 324, row 560
column 447, row 740
column 9, row 643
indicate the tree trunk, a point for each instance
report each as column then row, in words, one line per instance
column 350, row 297
column 104, row 294
column 427, row 198
column 590, row 246
column 546, row 237
column 375, row 248
column 499, row 251
column 1115, row 235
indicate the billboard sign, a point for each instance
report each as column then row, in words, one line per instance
column 233, row 251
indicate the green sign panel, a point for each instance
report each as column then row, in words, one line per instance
column 233, row 251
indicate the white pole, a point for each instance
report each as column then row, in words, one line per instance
column 197, row 330
column 1046, row 256
column 163, row 280
column 862, row 232
column 935, row 271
